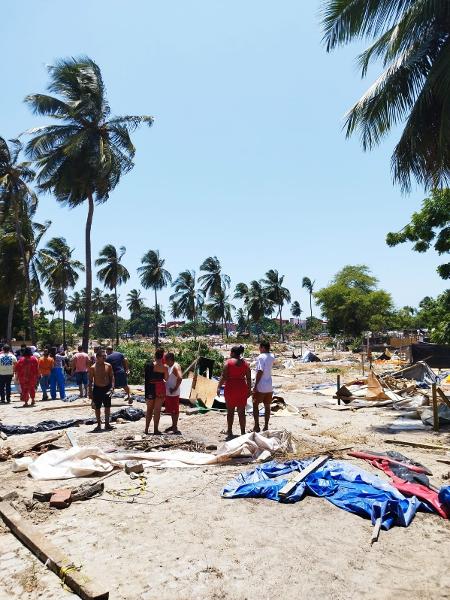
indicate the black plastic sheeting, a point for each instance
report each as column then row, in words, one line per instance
column 127, row 413
column 437, row 356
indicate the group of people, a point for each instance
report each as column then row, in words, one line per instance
column 99, row 374
column 163, row 379
column 49, row 368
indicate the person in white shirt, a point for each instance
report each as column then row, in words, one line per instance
column 172, row 401
column 263, row 389
column 7, row 362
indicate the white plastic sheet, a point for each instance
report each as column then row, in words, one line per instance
column 91, row 460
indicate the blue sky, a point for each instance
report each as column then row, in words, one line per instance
column 246, row 160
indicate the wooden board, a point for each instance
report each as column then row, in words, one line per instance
column 205, row 390
column 418, row 445
column 300, row 476
column 24, row 443
column 50, row 555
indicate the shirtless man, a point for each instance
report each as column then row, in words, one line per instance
column 101, row 386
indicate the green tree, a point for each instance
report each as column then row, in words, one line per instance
column 59, row 272
column 308, row 285
column 434, row 315
column 219, row 309
column 410, row 38
column 258, row 303
column 135, row 303
column 187, row 300
column 296, row 309
column 82, row 157
column 75, row 304
column 11, row 275
column 154, row 276
column 352, row 303
column 18, row 201
column 429, row 226
column 241, row 321
column 213, row 282
column 112, row 273
column 277, row 294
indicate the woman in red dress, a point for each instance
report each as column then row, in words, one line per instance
column 27, row 372
column 238, row 381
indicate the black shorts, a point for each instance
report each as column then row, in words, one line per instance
column 101, row 395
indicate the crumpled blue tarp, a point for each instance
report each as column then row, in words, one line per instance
column 341, row 483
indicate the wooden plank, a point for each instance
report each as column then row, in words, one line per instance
column 300, row 476
column 442, row 460
column 443, row 397
column 417, row 444
column 50, row 555
column 205, row 390
column 376, row 531
column 435, row 408
column 29, row 442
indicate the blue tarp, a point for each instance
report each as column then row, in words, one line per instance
column 341, row 483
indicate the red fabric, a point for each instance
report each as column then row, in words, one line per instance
column 160, row 388
column 27, row 392
column 27, row 370
column 411, row 489
column 236, row 388
column 172, row 405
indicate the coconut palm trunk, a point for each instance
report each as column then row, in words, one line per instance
column 26, row 272
column 310, row 304
column 280, row 308
column 9, row 321
column 116, row 316
column 88, row 306
column 157, row 320
column 64, row 319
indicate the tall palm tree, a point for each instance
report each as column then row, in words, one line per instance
column 98, row 300
column 296, row 309
column 134, row 302
column 112, row 274
column 154, row 276
column 308, row 285
column 59, row 272
column 213, row 281
column 110, row 305
column 259, row 304
column 11, row 273
column 187, row 300
column 241, row 292
column 219, row 309
column 19, row 201
column 411, row 39
column 277, row 293
column 76, row 304
column 82, row 157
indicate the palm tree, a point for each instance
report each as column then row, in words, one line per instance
column 82, row 157
column 153, row 275
column 11, row 273
column 98, row 300
column 214, row 281
column 134, row 302
column 187, row 300
column 411, row 38
column 75, row 304
column 112, row 273
column 110, row 305
column 18, row 200
column 296, row 309
column 219, row 309
column 277, row 293
column 59, row 273
column 259, row 304
column 308, row 285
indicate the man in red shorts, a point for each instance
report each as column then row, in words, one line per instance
column 172, row 401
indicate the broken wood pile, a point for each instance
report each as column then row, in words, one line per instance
column 149, row 445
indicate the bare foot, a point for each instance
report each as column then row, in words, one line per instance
column 157, row 433
column 97, row 429
column 109, row 427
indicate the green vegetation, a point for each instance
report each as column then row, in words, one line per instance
column 186, row 352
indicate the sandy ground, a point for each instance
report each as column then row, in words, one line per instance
column 180, row 539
